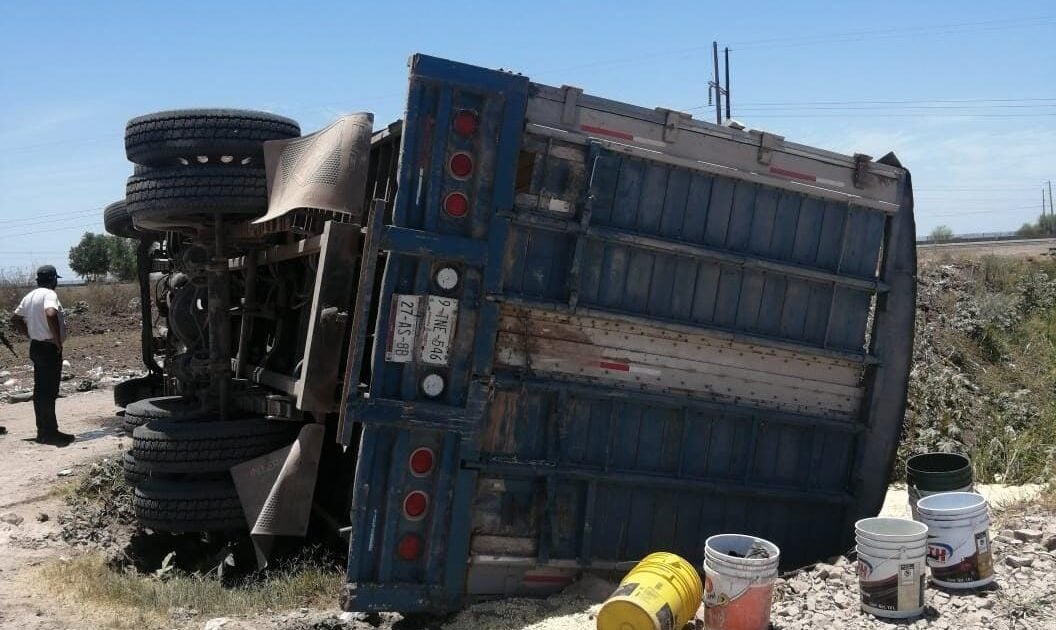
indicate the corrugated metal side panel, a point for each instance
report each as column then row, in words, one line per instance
column 666, row 476
column 624, row 420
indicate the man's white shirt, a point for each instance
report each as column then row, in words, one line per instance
column 32, row 308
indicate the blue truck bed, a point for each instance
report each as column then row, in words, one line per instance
column 586, row 331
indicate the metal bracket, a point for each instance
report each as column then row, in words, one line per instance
column 278, row 407
column 861, row 170
column 671, row 123
column 767, row 143
column 570, row 110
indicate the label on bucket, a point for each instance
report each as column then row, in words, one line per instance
column 960, row 564
column 899, row 590
column 651, row 600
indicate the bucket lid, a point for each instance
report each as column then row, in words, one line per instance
column 939, row 471
column 951, row 504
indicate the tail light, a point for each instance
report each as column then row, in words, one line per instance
column 465, row 123
column 421, row 461
column 456, row 205
column 409, row 547
column 415, row 504
column 461, row 165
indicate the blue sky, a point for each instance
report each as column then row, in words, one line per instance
column 861, row 77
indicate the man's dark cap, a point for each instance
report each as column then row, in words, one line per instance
column 46, row 272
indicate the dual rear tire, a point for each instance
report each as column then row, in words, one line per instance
column 195, row 164
column 180, row 462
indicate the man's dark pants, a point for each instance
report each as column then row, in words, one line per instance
column 47, row 372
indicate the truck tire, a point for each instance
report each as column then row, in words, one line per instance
column 134, row 473
column 178, row 197
column 192, row 137
column 161, row 408
column 117, row 221
column 136, row 389
column 188, row 506
column 168, row 446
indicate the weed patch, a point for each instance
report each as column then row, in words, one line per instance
column 983, row 380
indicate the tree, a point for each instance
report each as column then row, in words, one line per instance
column 90, row 258
column 941, row 233
column 1045, row 226
column 122, row 258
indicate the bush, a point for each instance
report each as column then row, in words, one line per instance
column 983, row 367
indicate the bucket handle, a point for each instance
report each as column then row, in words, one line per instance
column 970, row 540
column 748, row 583
column 902, row 555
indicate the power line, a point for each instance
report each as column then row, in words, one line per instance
column 925, row 215
column 906, row 101
column 37, row 217
column 856, row 36
column 57, row 229
column 845, row 114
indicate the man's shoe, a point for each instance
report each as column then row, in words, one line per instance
column 57, row 438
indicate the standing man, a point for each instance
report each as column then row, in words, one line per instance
column 39, row 316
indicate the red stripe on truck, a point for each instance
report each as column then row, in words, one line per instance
column 793, row 174
column 607, row 132
column 609, row 365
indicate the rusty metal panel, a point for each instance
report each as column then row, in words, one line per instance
column 318, row 385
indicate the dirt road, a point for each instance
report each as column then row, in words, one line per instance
column 30, row 473
column 1021, row 248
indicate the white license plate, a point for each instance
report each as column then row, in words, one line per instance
column 403, row 327
column 441, row 315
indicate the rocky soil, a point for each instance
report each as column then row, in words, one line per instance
column 103, row 347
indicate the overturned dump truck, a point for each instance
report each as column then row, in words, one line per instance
column 522, row 333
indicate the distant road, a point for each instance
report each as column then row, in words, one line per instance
column 1024, row 248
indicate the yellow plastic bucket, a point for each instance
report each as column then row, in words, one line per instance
column 662, row 592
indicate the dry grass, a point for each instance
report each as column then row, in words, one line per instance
column 128, row 599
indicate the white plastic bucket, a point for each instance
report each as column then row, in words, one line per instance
column 891, row 571
column 739, row 574
column 915, row 494
column 958, row 539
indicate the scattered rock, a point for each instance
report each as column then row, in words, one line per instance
column 86, row 385
column 18, row 397
column 66, row 364
column 1050, row 543
column 42, row 518
column 11, row 518
column 10, row 382
column 1017, row 562
column 1027, row 535
column 65, row 472
column 216, row 623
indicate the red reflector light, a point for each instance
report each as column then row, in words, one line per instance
column 421, row 461
column 461, row 165
column 465, row 123
column 456, row 204
column 409, row 547
column 415, row 504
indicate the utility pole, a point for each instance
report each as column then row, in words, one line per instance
column 715, row 87
column 715, row 84
column 1051, row 211
column 726, row 52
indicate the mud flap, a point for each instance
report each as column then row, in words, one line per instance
column 276, row 490
column 325, row 170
